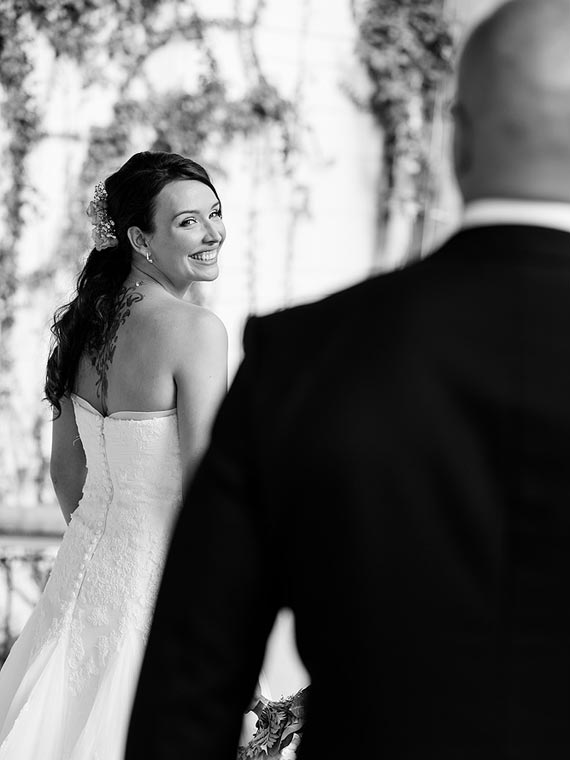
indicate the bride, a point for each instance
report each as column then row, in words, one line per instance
column 135, row 377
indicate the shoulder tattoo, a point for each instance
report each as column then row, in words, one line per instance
column 104, row 357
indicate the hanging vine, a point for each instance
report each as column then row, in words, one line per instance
column 406, row 48
column 21, row 117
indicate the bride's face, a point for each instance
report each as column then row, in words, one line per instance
column 188, row 232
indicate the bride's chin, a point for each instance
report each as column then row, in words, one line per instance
column 207, row 275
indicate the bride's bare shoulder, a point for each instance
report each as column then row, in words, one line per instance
column 182, row 322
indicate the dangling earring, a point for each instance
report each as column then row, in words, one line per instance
column 148, row 258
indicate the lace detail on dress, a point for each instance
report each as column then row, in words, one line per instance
column 99, row 600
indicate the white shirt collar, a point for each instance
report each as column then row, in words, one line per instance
column 497, row 211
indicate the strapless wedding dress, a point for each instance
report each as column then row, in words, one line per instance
column 67, row 687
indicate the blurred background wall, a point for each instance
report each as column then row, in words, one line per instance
column 324, row 126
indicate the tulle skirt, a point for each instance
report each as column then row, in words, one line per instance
column 40, row 717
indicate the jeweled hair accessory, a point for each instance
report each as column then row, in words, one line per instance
column 103, row 232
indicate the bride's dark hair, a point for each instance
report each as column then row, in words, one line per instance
column 81, row 325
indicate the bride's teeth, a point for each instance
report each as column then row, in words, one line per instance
column 204, row 256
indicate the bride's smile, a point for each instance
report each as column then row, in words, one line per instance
column 187, row 236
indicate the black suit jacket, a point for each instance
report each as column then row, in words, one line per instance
column 392, row 463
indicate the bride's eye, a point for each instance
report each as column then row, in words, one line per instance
column 188, row 222
column 217, row 212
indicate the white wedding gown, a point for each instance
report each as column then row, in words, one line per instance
column 67, row 687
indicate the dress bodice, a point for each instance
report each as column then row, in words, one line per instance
column 131, row 456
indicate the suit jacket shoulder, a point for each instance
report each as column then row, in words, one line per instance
column 293, row 331
column 452, row 277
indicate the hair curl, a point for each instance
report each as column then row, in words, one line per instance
column 81, row 325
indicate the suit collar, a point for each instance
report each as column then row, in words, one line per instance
column 508, row 243
column 494, row 212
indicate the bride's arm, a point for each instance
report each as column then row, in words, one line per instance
column 216, row 608
column 201, row 383
column 67, row 463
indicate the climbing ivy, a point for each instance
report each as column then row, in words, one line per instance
column 406, row 48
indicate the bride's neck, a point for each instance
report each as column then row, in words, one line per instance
column 153, row 274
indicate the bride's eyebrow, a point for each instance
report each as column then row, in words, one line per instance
column 196, row 211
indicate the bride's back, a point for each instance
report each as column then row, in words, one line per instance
column 134, row 370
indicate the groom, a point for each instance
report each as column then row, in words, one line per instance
column 393, row 463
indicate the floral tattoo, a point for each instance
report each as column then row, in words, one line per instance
column 103, row 359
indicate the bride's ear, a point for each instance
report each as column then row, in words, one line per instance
column 138, row 241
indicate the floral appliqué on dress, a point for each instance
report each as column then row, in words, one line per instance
column 90, row 627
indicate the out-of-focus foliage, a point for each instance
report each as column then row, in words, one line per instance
column 406, row 47
column 21, row 118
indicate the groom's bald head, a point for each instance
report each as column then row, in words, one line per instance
column 512, row 136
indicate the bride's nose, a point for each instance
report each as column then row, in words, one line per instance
column 211, row 233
